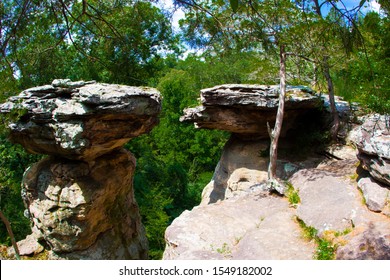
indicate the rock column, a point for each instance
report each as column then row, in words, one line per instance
column 80, row 198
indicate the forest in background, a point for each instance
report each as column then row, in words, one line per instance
column 133, row 42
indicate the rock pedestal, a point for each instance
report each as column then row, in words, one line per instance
column 80, row 199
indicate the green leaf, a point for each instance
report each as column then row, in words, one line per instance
column 234, row 5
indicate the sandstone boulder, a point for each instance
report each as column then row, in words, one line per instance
column 376, row 195
column 372, row 139
column 81, row 120
column 28, row 246
column 246, row 109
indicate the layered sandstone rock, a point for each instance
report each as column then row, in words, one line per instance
column 80, row 199
column 81, row 120
column 246, row 109
column 372, row 139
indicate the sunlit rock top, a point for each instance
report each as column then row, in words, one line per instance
column 80, row 120
column 246, row 109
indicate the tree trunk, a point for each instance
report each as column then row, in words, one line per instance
column 326, row 70
column 274, row 135
column 336, row 121
column 11, row 234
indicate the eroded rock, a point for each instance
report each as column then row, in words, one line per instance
column 73, row 203
column 81, row 120
column 243, row 165
column 376, row 195
column 368, row 242
column 327, row 201
column 246, row 109
column 80, row 199
column 28, row 246
column 372, row 139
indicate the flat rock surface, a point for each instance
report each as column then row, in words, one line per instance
column 81, row 120
column 327, row 202
column 250, row 227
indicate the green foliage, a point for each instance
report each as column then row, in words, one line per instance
column 292, row 195
column 365, row 76
column 325, row 248
column 14, row 160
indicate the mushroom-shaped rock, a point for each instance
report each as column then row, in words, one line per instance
column 81, row 120
column 246, row 109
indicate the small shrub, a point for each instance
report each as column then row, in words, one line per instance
column 325, row 248
column 292, row 195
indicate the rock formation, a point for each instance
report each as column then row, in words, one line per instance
column 239, row 219
column 80, row 198
column 246, row 109
column 372, row 139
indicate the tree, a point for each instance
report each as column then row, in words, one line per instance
column 264, row 25
column 341, row 16
column 116, row 41
column 365, row 76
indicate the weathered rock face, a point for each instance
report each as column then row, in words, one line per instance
column 73, row 202
column 80, row 199
column 372, row 139
column 370, row 242
column 81, row 120
column 327, row 202
column 243, row 164
column 246, row 109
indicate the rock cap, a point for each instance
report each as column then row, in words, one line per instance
column 80, row 120
column 246, row 109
